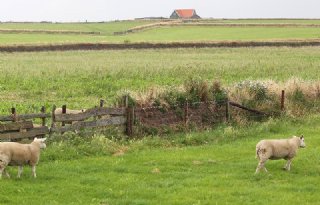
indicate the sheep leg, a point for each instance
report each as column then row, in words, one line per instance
column 288, row 164
column 34, row 171
column 6, row 173
column 260, row 166
column 20, row 169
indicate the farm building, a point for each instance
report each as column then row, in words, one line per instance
column 184, row 14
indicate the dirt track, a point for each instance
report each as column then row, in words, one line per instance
column 121, row 46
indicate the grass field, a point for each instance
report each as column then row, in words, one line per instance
column 198, row 33
column 107, row 28
column 81, row 78
column 172, row 34
column 262, row 21
column 163, row 34
column 221, row 171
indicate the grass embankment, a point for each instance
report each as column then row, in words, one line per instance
column 166, row 171
column 80, row 79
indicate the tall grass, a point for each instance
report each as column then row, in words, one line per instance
column 81, row 78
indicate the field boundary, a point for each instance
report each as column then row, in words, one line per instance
column 35, row 31
column 150, row 120
column 147, row 45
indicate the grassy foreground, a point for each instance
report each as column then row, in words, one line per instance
column 165, row 171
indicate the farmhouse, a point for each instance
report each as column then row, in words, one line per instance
column 184, row 14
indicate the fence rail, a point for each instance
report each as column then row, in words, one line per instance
column 31, row 133
column 94, row 112
column 15, row 126
column 119, row 120
column 24, row 117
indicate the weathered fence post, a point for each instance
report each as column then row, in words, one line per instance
column 43, row 110
column 53, row 116
column 14, row 114
column 282, row 100
column 227, row 110
column 130, row 117
column 126, row 101
column 64, row 111
column 186, row 112
column 101, row 103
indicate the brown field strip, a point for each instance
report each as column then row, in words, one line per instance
column 146, row 45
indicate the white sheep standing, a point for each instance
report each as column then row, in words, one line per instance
column 278, row 149
column 16, row 154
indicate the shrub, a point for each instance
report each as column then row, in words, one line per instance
column 219, row 94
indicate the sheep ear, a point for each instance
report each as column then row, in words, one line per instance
column 44, row 139
column 301, row 137
column 35, row 138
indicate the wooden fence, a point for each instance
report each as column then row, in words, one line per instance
column 21, row 126
column 15, row 126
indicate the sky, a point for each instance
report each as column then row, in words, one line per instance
column 109, row 10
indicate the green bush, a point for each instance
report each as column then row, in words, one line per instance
column 298, row 97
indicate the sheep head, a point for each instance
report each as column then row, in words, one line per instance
column 302, row 144
column 41, row 142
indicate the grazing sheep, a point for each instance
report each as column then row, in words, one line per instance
column 58, row 111
column 16, row 154
column 278, row 149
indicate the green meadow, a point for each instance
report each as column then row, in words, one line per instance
column 105, row 28
column 172, row 34
column 212, row 166
column 262, row 21
column 182, row 33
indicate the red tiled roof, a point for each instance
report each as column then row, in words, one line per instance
column 185, row 13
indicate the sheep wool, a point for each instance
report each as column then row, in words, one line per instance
column 278, row 149
column 16, row 154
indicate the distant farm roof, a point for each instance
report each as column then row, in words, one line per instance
column 184, row 14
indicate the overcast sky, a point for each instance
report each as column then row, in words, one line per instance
column 108, row 10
